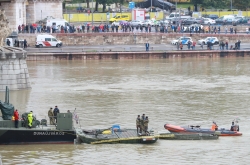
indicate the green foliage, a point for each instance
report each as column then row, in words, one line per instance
column 241, row 4
column 223, row 4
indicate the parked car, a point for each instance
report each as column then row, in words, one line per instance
column 236, row 21
column 164, row 21
column 184, row 40
column 189, row 21
column 176, row 20
column 213, row 16
column 220, row 21
column 241, row 20
column 147, row 22
column 118, row 23
column 213, row 40
column 200, row 20
column 229, row 21
column 136, row 23
column 209, row 21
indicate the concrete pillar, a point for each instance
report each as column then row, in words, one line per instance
column 40, row 9
column 30, row 12
column 14, row 11
column 13, row 71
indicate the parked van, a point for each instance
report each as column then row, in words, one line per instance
column 120, row 17
column 46, row 40
column 57, row 23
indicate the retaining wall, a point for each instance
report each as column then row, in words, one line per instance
column 129, row 38
column 134, row 55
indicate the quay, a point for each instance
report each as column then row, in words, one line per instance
column 136, row 55
column 126, row 38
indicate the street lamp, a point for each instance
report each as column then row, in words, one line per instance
column 151, row 6
column 231, row 5
column 92, row 14
column 175, row 6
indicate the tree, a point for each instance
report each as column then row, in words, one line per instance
column 196, row 2
column 241, row 4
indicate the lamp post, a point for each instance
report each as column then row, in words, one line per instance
column 231, row 5
column 151, row 6
column 41, row 14
column 92, row 14
column 175, row 6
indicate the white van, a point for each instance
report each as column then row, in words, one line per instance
column 46, row 40
column 57, row 23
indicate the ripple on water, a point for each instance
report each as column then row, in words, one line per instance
column 177, row 91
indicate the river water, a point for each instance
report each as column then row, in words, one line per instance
column 179, row 91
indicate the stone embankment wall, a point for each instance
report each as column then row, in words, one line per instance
column 134, row 55
column 129, row 38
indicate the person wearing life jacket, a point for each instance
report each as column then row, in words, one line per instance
column 30, row 119
column 214, row 126
column 16, row 118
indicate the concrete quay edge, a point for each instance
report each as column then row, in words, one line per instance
column 136, row 55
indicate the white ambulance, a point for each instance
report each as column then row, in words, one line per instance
column 46, row 40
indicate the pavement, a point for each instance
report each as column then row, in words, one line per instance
column 121, row 48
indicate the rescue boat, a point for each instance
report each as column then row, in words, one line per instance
column 196, row 129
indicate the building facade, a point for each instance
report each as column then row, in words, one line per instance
column 25, row 12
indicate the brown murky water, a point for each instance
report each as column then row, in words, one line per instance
column 178, row 91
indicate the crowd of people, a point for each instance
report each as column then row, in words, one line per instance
column 223, row 45
column 126, row 27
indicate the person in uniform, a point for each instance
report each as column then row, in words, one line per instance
column 138, row 123
column 146, row 121
column 51, row 116
column 16, row 118
column 142, row 121
column 30, row 119
column 56, row 111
